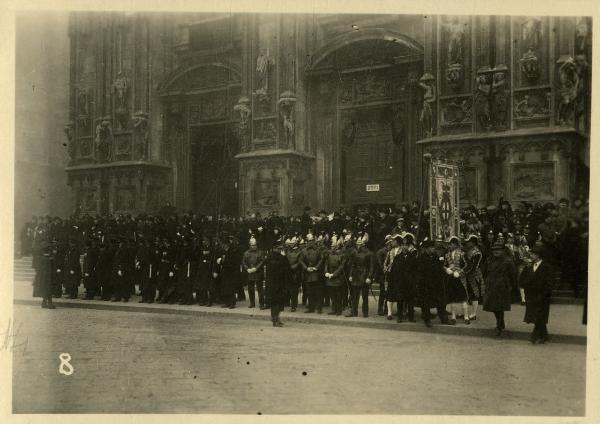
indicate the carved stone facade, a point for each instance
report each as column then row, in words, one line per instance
column 235, row 113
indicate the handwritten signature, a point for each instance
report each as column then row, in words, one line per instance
column 11, row 340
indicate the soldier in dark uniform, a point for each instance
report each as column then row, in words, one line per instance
column 252, row 264
column 228, row 273
column 293, row 256
column 166, row 270
column 90, row 275
column 311, row 261
column 121, row 275
column 334, row 276
column 58, row 263
column 204, row 270
column 431, row 282
column 146, row 267
column 104, row 270
column 185, row 273
column 362, row 264
column 277, row 273
column 72, row 270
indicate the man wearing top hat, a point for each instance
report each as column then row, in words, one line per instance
column 537, row 280
column 45, row 269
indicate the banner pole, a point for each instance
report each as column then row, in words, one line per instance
column 426, row 183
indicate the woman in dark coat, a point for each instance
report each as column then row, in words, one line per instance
column 408, row 277
column 537, row 280
column 501, row 277
column 278, row 271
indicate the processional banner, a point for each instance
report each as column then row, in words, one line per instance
column 444, row 200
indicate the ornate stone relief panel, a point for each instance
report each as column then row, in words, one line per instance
column 533, row 182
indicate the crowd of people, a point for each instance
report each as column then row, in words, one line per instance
column 321, row 260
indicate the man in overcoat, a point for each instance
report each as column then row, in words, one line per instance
column 277, row 274
column 537, row 280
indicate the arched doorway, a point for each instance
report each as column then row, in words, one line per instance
column 363, row 118
column 200, row 137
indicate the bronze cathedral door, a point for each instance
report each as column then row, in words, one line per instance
column 371, row 171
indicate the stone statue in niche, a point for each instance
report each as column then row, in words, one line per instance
column 120, row 89
column 581, row 35
column 455, row 31
column 140, row 129
column 104, row 140
column 71, row 147
column 83, row 113
column 243, row 109
column 286, row 103
column 499, row 99
column 482, row 101
column 531, row 32
column 454, row 71
column 264, row 63
column 570, row 90
column 427, row 84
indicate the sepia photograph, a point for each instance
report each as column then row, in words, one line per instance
column 288, row 213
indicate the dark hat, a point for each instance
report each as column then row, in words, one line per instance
column 427, row 243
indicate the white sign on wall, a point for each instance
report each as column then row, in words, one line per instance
column 372, row 187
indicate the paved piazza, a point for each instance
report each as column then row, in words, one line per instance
column 134, row 362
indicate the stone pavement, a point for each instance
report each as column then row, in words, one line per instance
column 165, row 363
column 564, row 323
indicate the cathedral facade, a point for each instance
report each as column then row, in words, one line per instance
column 230, row 113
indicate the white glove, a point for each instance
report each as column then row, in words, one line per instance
column 72, row 272
column 350, row 279
column 215, row 275
column 448, row 271
column 456, row 274
column 119, row 272
column 170, row 273
column 58, row 270
column 251, row 270
column 219, row 261
column 441, row 258
column 368, row 281
column 87, row 274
